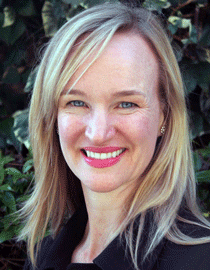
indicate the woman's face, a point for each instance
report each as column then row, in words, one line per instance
column 109, row 122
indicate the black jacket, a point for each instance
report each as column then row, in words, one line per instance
column 56, row 254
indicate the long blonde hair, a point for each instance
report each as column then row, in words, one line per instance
column 169, row 179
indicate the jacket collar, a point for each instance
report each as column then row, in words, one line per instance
column 57, row 253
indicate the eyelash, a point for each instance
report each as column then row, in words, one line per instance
column 78, row 102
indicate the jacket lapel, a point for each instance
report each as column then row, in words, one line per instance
column 56, row 254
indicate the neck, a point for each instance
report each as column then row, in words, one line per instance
column 105, row 214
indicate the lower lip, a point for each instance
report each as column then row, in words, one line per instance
column 102, row 163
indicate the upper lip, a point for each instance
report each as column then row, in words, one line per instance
column 107, row 149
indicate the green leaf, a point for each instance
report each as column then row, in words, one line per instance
column 16, row 174
column 49, row 19
column 205, row 37
column 22, row 198
column 172, row 28
column 176, row 2
column 188, row 74
column 25, row 8
column 196, row 124
column 30, row 81
column 203, row 54
column 11, row 34
column 20, row 127
column 9, row 200
column 1, row 174
column 28, row 165
column 197, row 161
column 202, row 71
column 72, row 2
column 6, row 187
column 17, row 54
column 9, row 16
column 205, row 105
column 205, row 152
column 18, row 229
column 7, row 220
column 12, row 76
column 157, row 5
column 6, row 132
column 6, row 235
column 7, row 159
column 203, row 176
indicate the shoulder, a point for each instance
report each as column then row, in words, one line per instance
column 186, row 257
column 57, row 251
column 45, row 246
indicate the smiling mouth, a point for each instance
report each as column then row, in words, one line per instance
column 95, row 155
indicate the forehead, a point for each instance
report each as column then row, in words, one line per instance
column 127, row 57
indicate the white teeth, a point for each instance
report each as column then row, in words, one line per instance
column 97, row 156
column 114, row 154
column 109, row 155
column 104, row 155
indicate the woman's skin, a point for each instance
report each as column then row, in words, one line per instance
column 114, row 104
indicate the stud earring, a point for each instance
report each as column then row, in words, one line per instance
column 163, row 129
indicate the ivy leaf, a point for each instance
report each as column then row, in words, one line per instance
column 205, row 152
column 7, row 222
column 5, row 160
column 205, row 106
column 7, row 134
column 22, row 198
column 9, row 16
column 205, row 37
column 15, row 173
column 49, row 19
column 203, row 176
column 11, row 34
column 72, row 2
column 189, row 75
column 196, row 125
column 6, row 187
column 25, row 8
column 11, row 76
column 9, row 200
column 28, row 165
column 20, row 127
column 30, row 81
column 6, row 235
column 197, row 161
column 157, row 5
column 1, row 174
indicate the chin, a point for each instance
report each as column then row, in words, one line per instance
column 100, row 187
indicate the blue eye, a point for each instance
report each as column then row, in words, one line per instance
column 77, row 103
column 127, row 105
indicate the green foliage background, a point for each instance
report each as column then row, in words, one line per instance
column 25, row 26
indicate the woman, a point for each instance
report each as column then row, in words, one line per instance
column 109, row 133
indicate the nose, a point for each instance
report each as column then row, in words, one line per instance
column 99, row 128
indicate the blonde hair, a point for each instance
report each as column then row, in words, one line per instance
column 169, row 179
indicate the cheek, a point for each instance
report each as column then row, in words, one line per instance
column 69, row 127
column 138, row 127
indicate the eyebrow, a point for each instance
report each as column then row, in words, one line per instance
column 116, row 94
